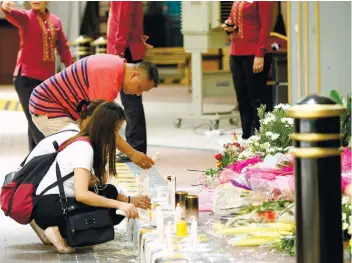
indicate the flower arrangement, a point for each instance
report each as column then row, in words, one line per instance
column 228, row 155
column 274, row 133
column 347, row 215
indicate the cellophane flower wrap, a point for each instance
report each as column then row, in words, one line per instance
column 346, row 168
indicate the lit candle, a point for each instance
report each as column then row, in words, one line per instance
column 192, row 207
column 180, row 198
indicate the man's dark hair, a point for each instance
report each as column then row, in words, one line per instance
column 152, row 71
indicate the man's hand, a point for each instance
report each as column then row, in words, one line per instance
column 258, row 65
column 141, row 159
column 144, row 40
column 141, row 201
column 227, row 28
column 7, row 6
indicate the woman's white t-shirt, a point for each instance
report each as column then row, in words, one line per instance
column 79, row 154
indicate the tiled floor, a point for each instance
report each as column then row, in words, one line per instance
column 180, row 149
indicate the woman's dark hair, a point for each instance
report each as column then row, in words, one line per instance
column 85, row 108
column 101, row 132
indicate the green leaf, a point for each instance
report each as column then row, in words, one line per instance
column 334, row 94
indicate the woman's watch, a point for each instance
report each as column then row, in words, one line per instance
column 129, row 199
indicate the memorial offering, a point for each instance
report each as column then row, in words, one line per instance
column 180, row 200
column 192, row 207
column 253, row 184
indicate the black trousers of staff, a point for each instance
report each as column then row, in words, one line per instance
column 24, row 87
column 251, row 90
column 136, row 130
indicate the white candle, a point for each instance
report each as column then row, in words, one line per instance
column 177, row 216
column 168, row 236
column 153, row 218
column 160, row 222
column 194, row 233
column 172, row 190
column 146, row 186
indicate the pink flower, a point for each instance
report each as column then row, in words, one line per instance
column 346, row 162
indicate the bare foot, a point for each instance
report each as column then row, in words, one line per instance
column 39, row 232
column 53, row 234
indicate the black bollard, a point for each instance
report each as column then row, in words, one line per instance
column 100, row 45
column 317, row 142
column 83, row 47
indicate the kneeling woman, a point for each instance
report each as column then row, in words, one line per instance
column 84, row 159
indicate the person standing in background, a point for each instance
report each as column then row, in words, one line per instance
column 40, row 33
column 249, row 24
column 125, row 38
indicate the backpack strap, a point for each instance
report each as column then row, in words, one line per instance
column 67, row 143
column 54, row 143
column 60, row 179
column 63, row 179
column 63, row 198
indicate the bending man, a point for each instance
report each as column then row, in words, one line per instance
column 53, row 103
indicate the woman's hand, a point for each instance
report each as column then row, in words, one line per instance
column 7, row 6
column 141, row 201
column 227, row 28
column 142, row 160
column 258, row 65
column 129, row 209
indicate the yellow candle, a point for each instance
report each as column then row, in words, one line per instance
column 181, row 228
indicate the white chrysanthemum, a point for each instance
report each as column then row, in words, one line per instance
column 344, row 200
column 344, row 226
column 287, row 121
column 344, row 216
column 265, row 145
column 349, row 230
column 246, row 154
column 268, row 134
column 271, row 150
column 253, row 139
column 269, row 118
column 282, row 106
column 275, row 136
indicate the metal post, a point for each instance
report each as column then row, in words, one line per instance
column 317, row 142
column 83, row 48
column 100, row 45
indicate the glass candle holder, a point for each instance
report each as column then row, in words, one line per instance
column 192, row 207
column 180, row 198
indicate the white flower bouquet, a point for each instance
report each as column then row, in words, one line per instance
column 274, row 133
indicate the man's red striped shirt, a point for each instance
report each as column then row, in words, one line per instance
column 93, row 77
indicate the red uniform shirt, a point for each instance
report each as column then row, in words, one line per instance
column 94, row 77
column 125, row 29
column 254, row 22
column 40, row 34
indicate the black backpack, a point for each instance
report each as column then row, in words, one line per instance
column 18, row 194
